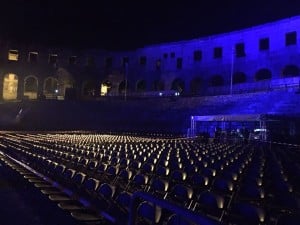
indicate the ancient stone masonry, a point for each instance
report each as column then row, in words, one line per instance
column 249, row 60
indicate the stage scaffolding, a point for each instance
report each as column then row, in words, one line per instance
column 250, row 121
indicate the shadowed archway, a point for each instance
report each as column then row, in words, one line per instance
column 178, row 85
column 263, row 74
column 31, row 87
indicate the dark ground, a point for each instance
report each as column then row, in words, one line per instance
column 23, row 204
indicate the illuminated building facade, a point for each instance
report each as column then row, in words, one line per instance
column 253, row 59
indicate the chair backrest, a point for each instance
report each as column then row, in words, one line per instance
column 123, row 199
column 247, row 213
column 211, row 200
column 159, row 187
column 178, row 176
column 224, row 186
column 106, row 190
column 91, row 184
column 149, row 213
column 78, row 178
column 162, row 171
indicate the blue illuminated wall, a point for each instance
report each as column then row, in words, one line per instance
column 252, row 59
column 268, row 48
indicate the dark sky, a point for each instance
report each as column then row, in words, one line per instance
column 126, row 25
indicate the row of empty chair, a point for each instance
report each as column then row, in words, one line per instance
column 95, row 176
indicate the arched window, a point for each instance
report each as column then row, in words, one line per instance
column 290, row 71
column 31, row 87
column 178, row 85
column 263, row 74
column 141, row 86
column 10, row 87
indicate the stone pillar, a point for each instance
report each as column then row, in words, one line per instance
column 40, row 91
column 20, row 91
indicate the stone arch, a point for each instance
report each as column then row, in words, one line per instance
column 31, row 87
column 290, row 71
column 196, row 85
column 89, row 88
column 158, row 85
column 178, row 85
column 50, row 87
column 216, row 81
column 10, row 86
column 263, row 74
column 141, row 86
column 239, row 77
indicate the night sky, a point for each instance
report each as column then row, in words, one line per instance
column 126, row 25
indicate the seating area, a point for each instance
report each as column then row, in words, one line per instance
column 130, row 179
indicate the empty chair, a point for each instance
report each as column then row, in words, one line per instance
column 103, row 199
column 66, row 181
column 114, row 161
column 111, row 173
column 123, row 179
column 135, row 165
column 124, row 163
column 208, row 172
column 83, row 162
column 175, row 165
column 92, row 165
column 138, row 183
column 223, row 186
column 251, row 193
column 100, row 172
column 181, row 195
column 178, row 176
column 231, row 175
column 83, row 197
column 246, row 213
column 77, row 181
column 148, row 213
column 148, row 168
column 120, row 209
column 89, row 188
column 159, row 187
column 199, row 183
column 162, row 171
column 191, row 169
column 211, row 204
